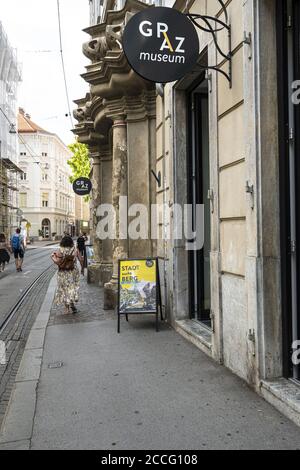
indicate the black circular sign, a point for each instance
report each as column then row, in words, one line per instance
column 161, row 44
column 82, row 186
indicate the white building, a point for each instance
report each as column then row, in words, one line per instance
column 46, row 195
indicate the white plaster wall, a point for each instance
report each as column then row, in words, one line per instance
column 235, row 324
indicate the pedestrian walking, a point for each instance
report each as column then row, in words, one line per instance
column 18, row 249
column 87, row 238
column 5, row 251
column 68, row 277
column 81, row 240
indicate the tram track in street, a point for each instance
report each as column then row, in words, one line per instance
column 15, row 327
column 14, row 285
column 32, row 259
column 9, row 316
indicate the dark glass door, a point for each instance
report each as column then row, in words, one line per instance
column 288, row 15
column 296, row 121
column 198, row 185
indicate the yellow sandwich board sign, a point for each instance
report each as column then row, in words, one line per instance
column 139, row 289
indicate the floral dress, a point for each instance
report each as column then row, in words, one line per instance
column 67, row 282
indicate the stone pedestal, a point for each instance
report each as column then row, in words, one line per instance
column 106, row 271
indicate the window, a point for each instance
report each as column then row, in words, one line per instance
column 23, row 200
column 23, row 176
column 44, row 177
column 44, row 154
column 23, row 154
column 45, row 200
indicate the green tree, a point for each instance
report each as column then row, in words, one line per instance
column 80, row 162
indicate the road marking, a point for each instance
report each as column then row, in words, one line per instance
column 28, row 272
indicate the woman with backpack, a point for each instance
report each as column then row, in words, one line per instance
column 68, row 277
column 5, row 251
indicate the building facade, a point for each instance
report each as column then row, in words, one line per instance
column 9, row 170
column 231, row 148
column 47, row 199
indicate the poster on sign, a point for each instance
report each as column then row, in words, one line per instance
column 139, row 287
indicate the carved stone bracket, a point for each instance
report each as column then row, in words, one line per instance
column 109, row 74
column 95, row 49
column 109, row 39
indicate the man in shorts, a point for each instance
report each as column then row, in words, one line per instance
column 18, row 249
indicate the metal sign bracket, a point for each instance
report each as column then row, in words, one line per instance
column 204, row 23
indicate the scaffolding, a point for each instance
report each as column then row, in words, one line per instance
column 9, row 211
column 9, row 79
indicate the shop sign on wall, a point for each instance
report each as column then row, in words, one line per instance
column 82, row 186
column 161, row 44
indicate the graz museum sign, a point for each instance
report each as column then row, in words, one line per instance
column 82, row 186
column 161, row 44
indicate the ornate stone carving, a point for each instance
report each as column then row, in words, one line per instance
column 79, row 114
column 83, row 112
column 114, row 34
column 96, row 49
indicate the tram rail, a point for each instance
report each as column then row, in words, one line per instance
column 8, row 317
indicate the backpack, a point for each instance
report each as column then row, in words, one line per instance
column 67, row 263
column 15, row 241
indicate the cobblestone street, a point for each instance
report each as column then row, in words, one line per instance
column 89, row 307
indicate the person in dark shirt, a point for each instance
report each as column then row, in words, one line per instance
column 82, row 251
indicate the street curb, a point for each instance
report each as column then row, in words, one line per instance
column 17, row 425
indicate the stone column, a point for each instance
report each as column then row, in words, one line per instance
column 106, row 267
column 119, row 188
column 94, row 270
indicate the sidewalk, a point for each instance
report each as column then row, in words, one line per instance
column 137, row 390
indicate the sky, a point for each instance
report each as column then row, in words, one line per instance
column 32, row 26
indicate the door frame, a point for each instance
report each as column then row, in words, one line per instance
column 194, row 139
